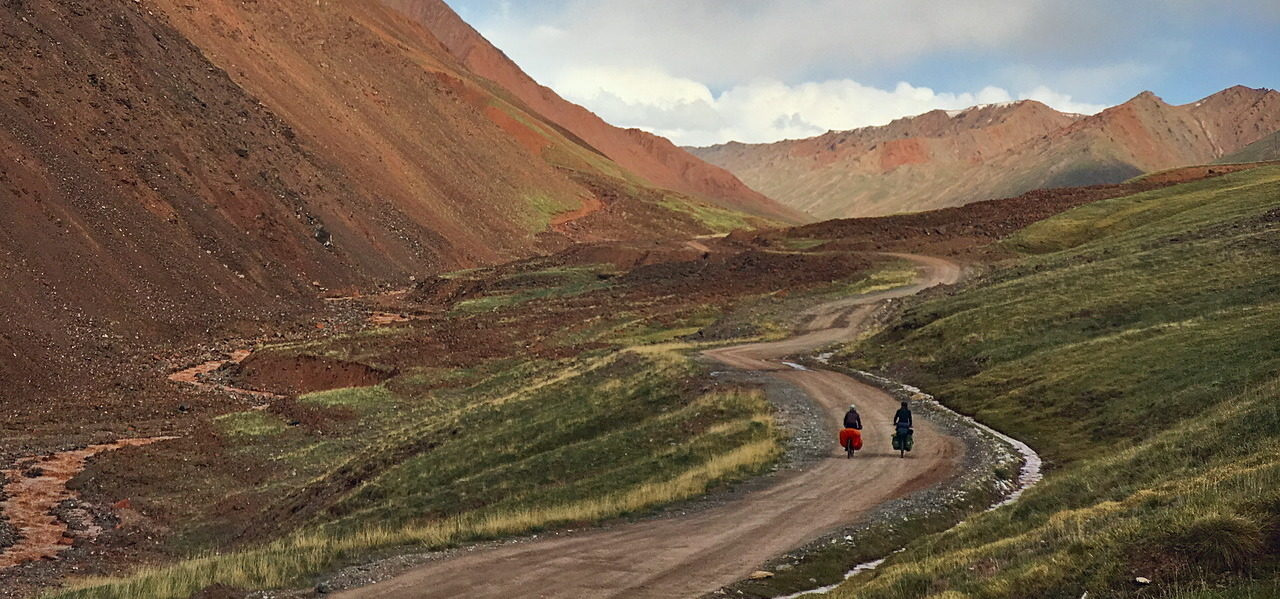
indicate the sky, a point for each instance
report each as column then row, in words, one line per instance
column 702, row 72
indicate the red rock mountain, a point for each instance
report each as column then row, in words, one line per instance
column 942, row 158
column 654, row 158
column 169, row 166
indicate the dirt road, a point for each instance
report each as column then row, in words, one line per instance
column 698, row 553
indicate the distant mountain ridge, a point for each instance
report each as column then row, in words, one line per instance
column 949, row 158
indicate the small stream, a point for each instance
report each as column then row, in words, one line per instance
column 192, row 376
column 35, row 487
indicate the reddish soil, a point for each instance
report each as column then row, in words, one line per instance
column 532, row 140
column 387, row 318
column 590, row 205
column 297, row 375
column 901, row 152
column 36, row 486
column 196, row 376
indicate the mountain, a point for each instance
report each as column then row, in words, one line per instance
column 654, row 158
column 174, row 170
column 949, row 158
column 881, row 170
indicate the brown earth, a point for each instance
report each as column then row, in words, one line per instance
column 198, row 376
column 940, row 159
column 1195, row 173
column 297, row 375
column 705, row 550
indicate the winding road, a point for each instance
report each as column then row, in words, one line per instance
column 694, row 554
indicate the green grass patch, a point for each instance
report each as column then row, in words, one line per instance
column 249, row 424
column 544, row 207
column 891, row 276
column 715, row 218
column 800, row 243
column 1184, row 204
column 361, row 399
column 547, row 284
column 668, row 328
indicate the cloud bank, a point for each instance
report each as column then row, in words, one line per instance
column 709, row 71
column 763, row 110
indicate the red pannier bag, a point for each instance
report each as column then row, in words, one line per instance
column 851, row 434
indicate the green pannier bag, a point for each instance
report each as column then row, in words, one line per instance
column 903, row 440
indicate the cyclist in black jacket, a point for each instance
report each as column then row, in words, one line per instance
column 852, row 419
column 903, row 418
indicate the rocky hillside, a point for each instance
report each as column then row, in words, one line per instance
column 1267, row 148
column 174, row 170
column 654, row 158
column 949, row 158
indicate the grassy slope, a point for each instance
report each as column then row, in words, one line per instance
column 1136, row 346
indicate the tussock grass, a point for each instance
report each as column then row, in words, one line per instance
column 360, row 398
column 498, row 301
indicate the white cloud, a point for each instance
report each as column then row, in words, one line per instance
column 723, row 42
column 646, row 85
column 763, row 110
column 1061, row 101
